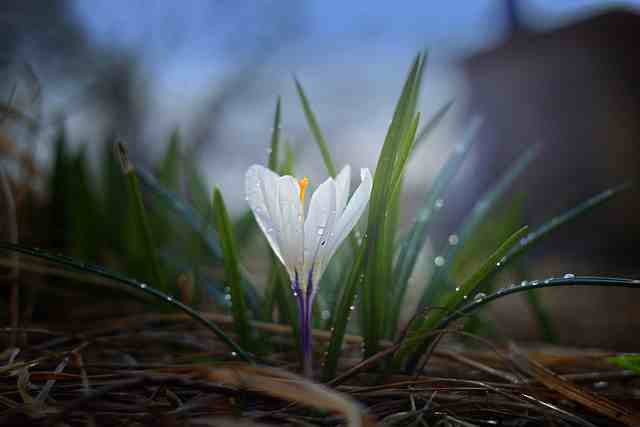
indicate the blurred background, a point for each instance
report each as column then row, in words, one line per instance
column 562, row 74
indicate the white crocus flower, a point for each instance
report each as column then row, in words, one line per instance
column 305, row 246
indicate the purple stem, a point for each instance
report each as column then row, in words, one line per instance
column 305, row 309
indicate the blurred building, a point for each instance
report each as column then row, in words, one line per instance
column 574, row 90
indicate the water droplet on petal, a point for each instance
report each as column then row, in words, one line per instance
column 457, row 288
column 569, row 276
column 325, row 314
column 524, row 283
column 439, row 261
column 439, row 203
column 227, row 297
column 143, row 285
column 454, row 239
column 353, row 307
column 234, row 354
column 479, row 297
column 535, row 282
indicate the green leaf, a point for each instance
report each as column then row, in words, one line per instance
column 315, row 130
column 381, row 219
column 142, row 221
column 125, row 283
column 566, row 217
column 342, row 314
column 169, row 174
column 432, row 124
column 630, row 362
column 232, row 269
column 528, row 286
column 413, row 242
column 199, row 225
column 275, row 138
column 481, row 209
column 419, row 337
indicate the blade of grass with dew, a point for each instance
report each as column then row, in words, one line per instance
column 418, row 337
column 135, row 196
column 197, row 224
column 566, row 217
column 342, row 313
column 315, row 129
column 552, row 282
column 413, row 242
column 487, row 202
column 378, row 262
column 232, row 269
column 130, row 284
column 494, row 229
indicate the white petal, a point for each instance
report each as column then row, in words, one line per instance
column 318, row 229
column 352, row 212
column 291, row 223
column 343, row 184
column 261, row 193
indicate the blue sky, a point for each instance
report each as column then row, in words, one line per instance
column 350, row 55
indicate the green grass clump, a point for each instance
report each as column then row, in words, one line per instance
column 160, row 225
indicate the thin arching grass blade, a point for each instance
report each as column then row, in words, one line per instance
column 432, row 124
column 315, row 129
column 413, row 242
column 566, row 217
column 482, row 208
column 417, row 338
column 129, row 284
column 232, row 269
column 527, row 286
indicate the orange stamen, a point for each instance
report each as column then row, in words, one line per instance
column 303, row 183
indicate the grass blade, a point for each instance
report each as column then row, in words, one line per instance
column 548, row 227
column 420, row 330
column 232, row 269
column 130, row 284
column 315, row 129
column 198, row 225
column 528, row 286
column 412, row 244
column 135, row 196
column 342, row 313
column 432, row 124
column 169, row 173
column 477, row 215
column 378, row 262
column 275, row 137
